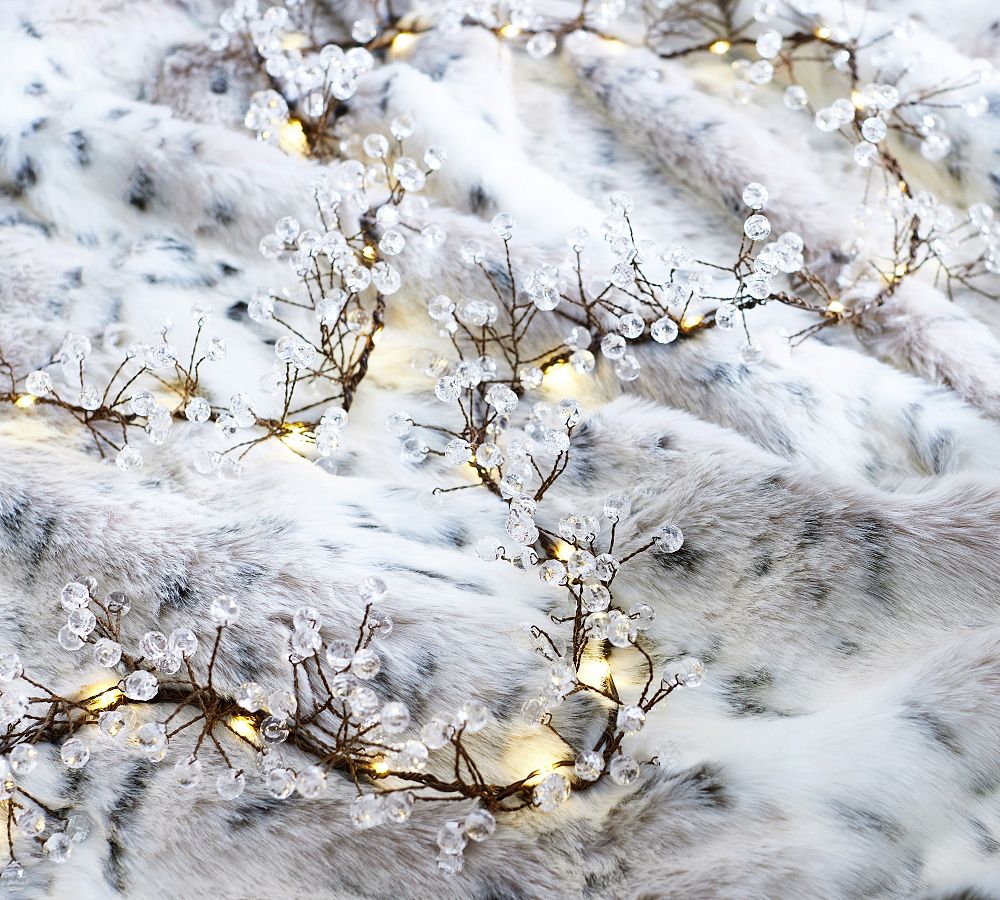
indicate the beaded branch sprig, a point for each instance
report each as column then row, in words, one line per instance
column 328, row 709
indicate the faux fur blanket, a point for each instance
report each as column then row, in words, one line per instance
column 840, row 502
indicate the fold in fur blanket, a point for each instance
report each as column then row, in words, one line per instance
column 840, row 503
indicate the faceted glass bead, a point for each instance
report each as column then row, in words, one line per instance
column 69, row 639
column 13, row 879
column 623, row 769
column 311, row 782
column 394, row 717
column 690, row 672
column 451, row 837
column 10, row 667
column 339, row 655
column 112, row 722
column 670, row 538
column 38, row 383
column 551, row 791
column 141, row 685
column 107, row 653
column 664, row 330
column 225, row 611
column 755, row 195
column 757, row 227
column 128, row 459
column 78, row 828
column 230, row 784
column 187, row 771
column 552, row 571
column 436, row 733
column 873, row 130
column 22, row 758
column 74, row 595
column 75, row 753
column 589, row 765
column 274, row 730
column 280, row 783
column 251, row 696
column 366, row 663
column 473, row 715
column 630, row 719
column 366, row 811
column 58, row 848
column 503, row 226
column 398, row 806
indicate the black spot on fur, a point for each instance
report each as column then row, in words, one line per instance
column 874, row 536
column 967, row 894
column 24, row 533
column 707, row 785
column 31, row 31
column 740, row 692
column 223, row 212
column 73, row 278
column 219, row 82
column 869, row 820
column 479, row 200
column 134, row 785
column 117, row 113
column 984, row 840
column 140, row 188
column 687, row 559
column 935, row 727
column 238, row 311
column 35, row 89
column 77, row 141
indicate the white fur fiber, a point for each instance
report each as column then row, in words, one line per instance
column 841, row 505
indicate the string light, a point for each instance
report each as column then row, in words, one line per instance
column 823, row 33
column 245, row 727
column 594, row 670
column 102, row 696
column 402, row 43
column 292, row 138
column 836, row 307
column 25, row 401
column 561, row 378
column 692, row 321
column 509, row 31
column 719, row 48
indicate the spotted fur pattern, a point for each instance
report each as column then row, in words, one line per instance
column 841, row 505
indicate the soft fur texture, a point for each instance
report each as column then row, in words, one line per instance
column 841, row 505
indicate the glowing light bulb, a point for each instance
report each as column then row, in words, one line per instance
column 25, row 401
column 563, row 550
column 296, row 438
column 245, row 727
column 689, row 322
column 294, row 40
column 402, row 43
column 823, row 33
column 292, row 138
column 835, row 306
column 719, row 48
column 560, row 378
column 101, row 695
column 509, row 31
column 380, row 766
column 369, row 252
column 594, row 670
